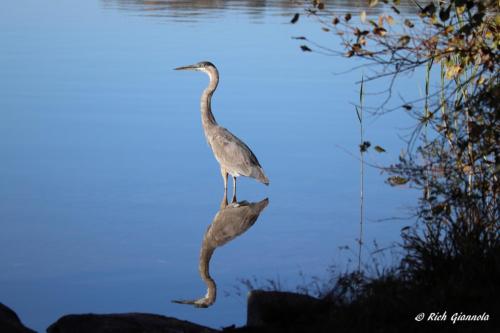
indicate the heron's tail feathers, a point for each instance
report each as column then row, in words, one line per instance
column 261, row 177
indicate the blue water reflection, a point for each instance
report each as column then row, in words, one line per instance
column 231, row 221
column 107, row 184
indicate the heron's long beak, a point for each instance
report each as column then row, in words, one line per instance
column 186, row 68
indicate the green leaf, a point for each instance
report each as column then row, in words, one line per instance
column 379, row 149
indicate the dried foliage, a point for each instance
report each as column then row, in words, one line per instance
column 453, row 154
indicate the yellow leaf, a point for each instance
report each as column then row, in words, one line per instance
column 380, row 20
column 380, row 31
column 363, row 16
column 467, row 169
column 389, row 19
column 452, row 71
column 397, row 180
column 404, row 40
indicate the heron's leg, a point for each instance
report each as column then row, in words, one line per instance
column 234, row 190
column 224, row 176
column 223, row 203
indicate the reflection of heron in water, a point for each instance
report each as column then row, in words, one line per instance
column 230, row 221
column 234, row 156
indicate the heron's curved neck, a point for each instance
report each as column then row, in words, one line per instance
column 207, row 118
column 205, row 256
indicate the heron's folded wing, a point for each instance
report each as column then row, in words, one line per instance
column 232, row 152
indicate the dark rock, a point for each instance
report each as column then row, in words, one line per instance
column 10, row 323
column 275, row 307
column 124, row 323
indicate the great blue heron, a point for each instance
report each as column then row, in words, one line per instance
column 234, row 156
column 230, row 221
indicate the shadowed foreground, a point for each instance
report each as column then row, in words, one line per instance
column 10, row 322
column 388, row 303
column 124, row 323
column 462, row 284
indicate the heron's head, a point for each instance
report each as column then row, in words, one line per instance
column 203, row 66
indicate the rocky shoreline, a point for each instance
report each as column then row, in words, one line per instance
column 275, row 311
column 264, row 308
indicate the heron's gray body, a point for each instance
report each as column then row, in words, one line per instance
column 234, row 156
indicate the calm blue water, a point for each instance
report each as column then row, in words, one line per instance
column 107, row 184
